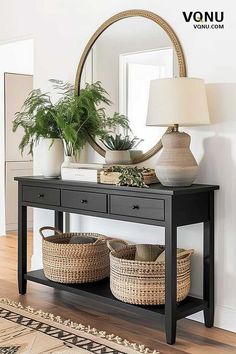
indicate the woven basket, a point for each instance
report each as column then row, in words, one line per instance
column 74, row 263
column 143, row 283
column 150, row 177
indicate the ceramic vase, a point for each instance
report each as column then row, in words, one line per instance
column 121, row 157
column 52, row 157
column 176, row 166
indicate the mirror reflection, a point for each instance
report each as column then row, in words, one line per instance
column 125, row 58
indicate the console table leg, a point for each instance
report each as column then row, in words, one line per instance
column 208, row 264
column 58, row 220
column 170, row 283
column 22, row 248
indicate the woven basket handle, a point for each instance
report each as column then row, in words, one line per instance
column 180, row 255
column 185, row 253
column 99, row 240
column 44, row 228
column 122, row 242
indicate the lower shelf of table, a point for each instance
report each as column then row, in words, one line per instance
column 101, row 291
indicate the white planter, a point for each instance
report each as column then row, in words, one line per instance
column 52, row 157
column 121, row 157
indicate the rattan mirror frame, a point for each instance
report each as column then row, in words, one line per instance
column 177, row 46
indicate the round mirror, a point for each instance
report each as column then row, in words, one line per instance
column 125, row 54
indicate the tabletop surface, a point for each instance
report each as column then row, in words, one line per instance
column 153, row 188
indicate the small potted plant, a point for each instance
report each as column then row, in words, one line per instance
column 119, row 148
column 118, row 145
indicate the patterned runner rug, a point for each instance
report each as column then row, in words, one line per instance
column 26, row 331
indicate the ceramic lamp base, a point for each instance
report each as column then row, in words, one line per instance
column 176, row 166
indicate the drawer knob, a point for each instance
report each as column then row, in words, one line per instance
column 41, row 195
column 135, row 207
column 84, row 201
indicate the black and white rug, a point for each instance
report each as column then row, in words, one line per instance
column 26, row 331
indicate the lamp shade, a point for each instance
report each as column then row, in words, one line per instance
column 180, row 101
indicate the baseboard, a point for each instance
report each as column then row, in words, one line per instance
column 225, row 318
column 14, row 226
column 36, row 262
column 2, row 231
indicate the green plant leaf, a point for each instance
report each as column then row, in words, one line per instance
column 73, row 118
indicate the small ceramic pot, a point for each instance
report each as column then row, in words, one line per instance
column 121, row 157
column 52, row 157
column 135, row 154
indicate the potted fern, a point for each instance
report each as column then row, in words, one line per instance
column 36, row 120
column 78, row 117
column 68, row 122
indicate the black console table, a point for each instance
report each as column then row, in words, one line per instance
column 157, row 205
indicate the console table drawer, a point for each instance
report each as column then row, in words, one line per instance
column 49, row 196
column 84, row 200
column 138, row 207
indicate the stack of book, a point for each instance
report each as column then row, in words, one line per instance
column 82, row 172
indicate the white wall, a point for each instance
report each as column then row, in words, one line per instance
column 15, row 57
column 63, row 28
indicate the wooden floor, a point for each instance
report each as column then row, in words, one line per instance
column 192, row 337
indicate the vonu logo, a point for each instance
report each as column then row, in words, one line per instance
column 198, row 16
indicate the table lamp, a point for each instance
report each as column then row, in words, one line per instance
column 177, row 102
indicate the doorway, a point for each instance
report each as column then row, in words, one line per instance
column 16, row 82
